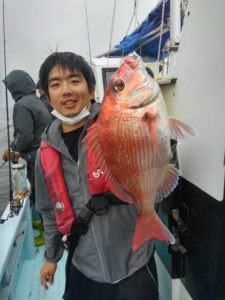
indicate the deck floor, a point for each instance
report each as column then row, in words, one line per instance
column 29, row 286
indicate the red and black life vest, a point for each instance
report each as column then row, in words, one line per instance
column 52, row 167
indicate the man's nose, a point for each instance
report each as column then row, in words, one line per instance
column 66, row 88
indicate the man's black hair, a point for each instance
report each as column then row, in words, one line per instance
column 66, row 60
column 38, row 85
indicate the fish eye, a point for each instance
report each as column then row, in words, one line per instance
column 119, row 86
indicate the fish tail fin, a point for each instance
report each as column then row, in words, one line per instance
column 176, row 127
column 150, row 227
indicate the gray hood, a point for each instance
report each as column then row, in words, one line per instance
column 19, row 83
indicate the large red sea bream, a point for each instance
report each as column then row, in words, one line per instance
column 131, row 143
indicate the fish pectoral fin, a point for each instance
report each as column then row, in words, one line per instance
column 169, row 183
column 151, row 118
column 93, row 147
column 150, row 227
column 177, row 127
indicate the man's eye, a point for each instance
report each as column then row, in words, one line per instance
column 119, row 85
column 75, row 81
column 54, row 85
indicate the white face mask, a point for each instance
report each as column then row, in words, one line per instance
column 73, row 120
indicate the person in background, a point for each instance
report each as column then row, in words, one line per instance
column 100, row 263
column 44, row 97
column 30, row 118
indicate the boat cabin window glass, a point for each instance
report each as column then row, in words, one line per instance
column 106, row 75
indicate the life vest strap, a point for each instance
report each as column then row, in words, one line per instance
column 98, row 205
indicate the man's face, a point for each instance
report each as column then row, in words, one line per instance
column 68, row 91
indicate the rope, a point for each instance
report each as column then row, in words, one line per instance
column 128, row 30
column 135, row 13
column 136, row 19
column 161, row 28
column 5, row 127
column 3, row 164
column 111, row 31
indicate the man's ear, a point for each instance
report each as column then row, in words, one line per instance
column 93, row 91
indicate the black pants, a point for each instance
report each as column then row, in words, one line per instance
column 142, row 285
column 31, row 178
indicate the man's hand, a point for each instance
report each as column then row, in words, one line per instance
column 47, row 273
column 14, row 156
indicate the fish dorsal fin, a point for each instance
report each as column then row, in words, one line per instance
column 169, row 183
column 93, row 145
column 177, row 127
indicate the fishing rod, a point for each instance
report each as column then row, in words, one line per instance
column 14, row 205
column 88, row 33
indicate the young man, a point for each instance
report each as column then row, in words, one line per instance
column 103, row 265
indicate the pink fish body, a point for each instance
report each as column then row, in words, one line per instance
column 131, row 144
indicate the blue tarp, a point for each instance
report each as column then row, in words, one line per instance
column 145, row 39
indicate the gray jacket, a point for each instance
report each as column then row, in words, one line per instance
column 30, row 116
column 104, row 253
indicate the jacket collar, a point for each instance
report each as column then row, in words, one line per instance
column 53, row 136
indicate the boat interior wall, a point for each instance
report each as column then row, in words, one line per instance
column 16, row 246
column 198, row 256
column 20, row 261
column 198, row 97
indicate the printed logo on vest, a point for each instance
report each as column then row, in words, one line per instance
column 97, row 173
column 59, row 206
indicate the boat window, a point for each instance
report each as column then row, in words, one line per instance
column 106, row 75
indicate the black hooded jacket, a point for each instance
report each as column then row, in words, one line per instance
column 30, row 116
